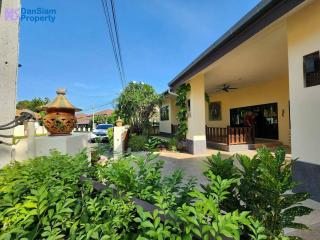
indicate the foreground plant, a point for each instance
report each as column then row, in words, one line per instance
column 202, row 219
column 265, row 189
column 43, row 199
column 142, row 176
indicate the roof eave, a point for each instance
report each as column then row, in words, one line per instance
column 259, row 17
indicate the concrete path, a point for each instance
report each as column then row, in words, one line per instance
column 194, row 166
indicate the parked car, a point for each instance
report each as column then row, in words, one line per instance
column 100, row 132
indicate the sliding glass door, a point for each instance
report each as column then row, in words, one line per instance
column 264, row 118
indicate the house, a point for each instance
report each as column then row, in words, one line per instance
column 84, row 120
column 262, row 82
column 9, row 48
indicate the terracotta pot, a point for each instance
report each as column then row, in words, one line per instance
column 59, row 122
column 60, row 115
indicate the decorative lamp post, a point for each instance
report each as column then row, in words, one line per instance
column 60, row 115
column 119, row 122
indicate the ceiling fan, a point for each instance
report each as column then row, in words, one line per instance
column 226, row 88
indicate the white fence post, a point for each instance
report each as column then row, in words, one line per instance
column 119, row 134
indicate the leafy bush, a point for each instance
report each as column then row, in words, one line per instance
column 110, row 137
column 154, row 143
column 137, row 142
column 202, row 219
column 172, row 144
column 264, row 189
column 142, row 177
column 42, row 199
column 99, row 150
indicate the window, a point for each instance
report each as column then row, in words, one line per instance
column 215, row 111
column 311, row 68
column 164, row 113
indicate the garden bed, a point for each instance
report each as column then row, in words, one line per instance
column 64, row 197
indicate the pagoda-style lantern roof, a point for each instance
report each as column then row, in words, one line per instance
column 61, row 102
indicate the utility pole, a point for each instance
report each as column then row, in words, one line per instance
column 93, row 123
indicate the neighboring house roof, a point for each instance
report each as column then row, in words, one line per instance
column 107, row 112
column 83, row 118
column 18, row 113
column 263, row 14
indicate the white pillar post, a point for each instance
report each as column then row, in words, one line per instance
column 31, row 133
column 119, row 134
column 9, row 45
column 196, row 136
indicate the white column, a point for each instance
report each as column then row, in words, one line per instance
column 196, row 136
column 9, row 36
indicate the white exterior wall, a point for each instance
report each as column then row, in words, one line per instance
column 20, row 131
column 304, row 38
column 9, row 42
column 165, row 126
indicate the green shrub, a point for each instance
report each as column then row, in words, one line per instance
column 155, row 143
column 99, row 150
column 42, row 199
column 264, row 189
column 142, row 177
column 110, row 137
column 173, row 144
column 137, row 142
column 203, row 219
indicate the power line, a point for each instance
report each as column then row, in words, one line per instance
column 117, row 37
column 114, row 37
column 98, row 107
column 111, row 35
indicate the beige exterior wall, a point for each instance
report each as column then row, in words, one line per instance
column 9, row 41
column 304, row 38
column 165, row 126
column 274, row 91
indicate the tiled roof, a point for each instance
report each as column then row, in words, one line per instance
column 105, row 112
column 84, row 118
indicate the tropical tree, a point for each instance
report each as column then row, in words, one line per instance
column 136, row 105
column 34, row 105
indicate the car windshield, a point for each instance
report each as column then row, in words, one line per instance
column 104, row 126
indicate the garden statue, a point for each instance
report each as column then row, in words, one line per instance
column 60, row 115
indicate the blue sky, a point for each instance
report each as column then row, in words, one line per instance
column 158, row 38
